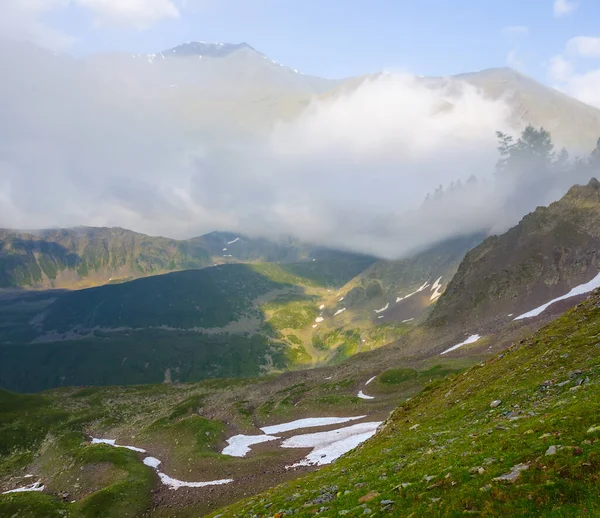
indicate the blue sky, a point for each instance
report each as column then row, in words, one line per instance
column 337, row 38
column 340, row 38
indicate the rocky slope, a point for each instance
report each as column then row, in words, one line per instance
column 550, row 251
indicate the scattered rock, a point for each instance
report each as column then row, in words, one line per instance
column 414, row 427
column 387, row 502
column 495, row 403
column 513, row 474
column 368, row 497
column 551, row 450
column 594, row 429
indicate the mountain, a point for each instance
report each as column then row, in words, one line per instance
column 551, row 251
column 91, row 256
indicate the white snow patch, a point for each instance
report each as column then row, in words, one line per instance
column 339, row 312
column 113, row 442
column 437, row 290
column 383, row 309
column 239, row 445
column 224, row 249
column 407, row 320
column 329, row 446
column 341, row 299
column 173, row 483
column 315, row 326
column 380, row 316
column 37, row 486
column 318, row 320
column 234, row 241
column 328, row 377
column 471, row 340
column 322, row 307
column 577, row 290
column 153, row 462
column 309, row 422
column 425, row 285
column 362, row 395
column 370, row 380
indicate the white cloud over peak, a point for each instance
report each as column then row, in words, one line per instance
column 584, row 46
column 564, row 7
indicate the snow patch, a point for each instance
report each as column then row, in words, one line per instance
column 153, row 462
column 370, row 380
column 407, row 320
column 471, row 340
column 322, row 307
column 329, row 446
column 341, row 299
column 309, row 422
column 425, row 285
column 437, row 290
column 239, row 445
column 362, row 395
column 234, row 241
column 113, row 442
column 383, row 309
column 318, row 320
column 339, row 311
column 37, row 486
column 173, row 483
column 577, row 290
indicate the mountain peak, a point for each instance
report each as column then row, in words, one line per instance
column 203, row 48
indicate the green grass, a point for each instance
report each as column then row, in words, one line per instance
column 439, row 453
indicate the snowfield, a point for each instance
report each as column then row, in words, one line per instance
column 309, row 422
column 329, row 446
column 425, row 285
column 239, row 445
column 437, row 290
column 471, row 340
column 577, row 290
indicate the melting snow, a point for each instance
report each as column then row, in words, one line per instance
column 173, row 483
column 329, row 446
column 309, row 422
column 322, row 307
column 38, row 486
column 362, row 395
column 370, row 380
column 318, row 320
column 339, row 311
column 425, row 285
column 577, row 290
column 383, row 309
column 239, row 445
column 472, row 339
column 315, row 326
column 408, row 320
column 234, row 241
column 437, row 290
column 341, row 299
column 113, row 442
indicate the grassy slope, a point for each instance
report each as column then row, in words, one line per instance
column 183, row 425
column 439, row 453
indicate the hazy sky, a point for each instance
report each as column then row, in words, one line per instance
column 333, row 38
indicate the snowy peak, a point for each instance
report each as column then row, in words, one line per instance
column 203, row 48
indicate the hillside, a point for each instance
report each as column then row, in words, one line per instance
column 87, row 256
column 516, row 436
column 550, row 251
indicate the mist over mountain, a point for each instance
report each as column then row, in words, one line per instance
column 205, row 137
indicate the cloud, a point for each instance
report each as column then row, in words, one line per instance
column 107, row 142
column 584, row 46
column 139, row 14
column 515, row 34
column 562, row 68
column 564, row 7
column 26, row 20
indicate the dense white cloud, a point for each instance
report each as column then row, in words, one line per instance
column 564, row 7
